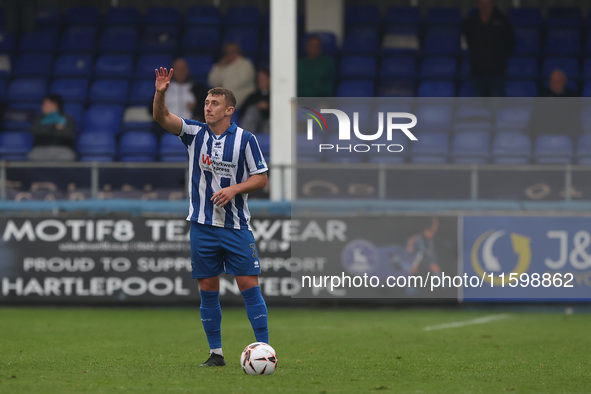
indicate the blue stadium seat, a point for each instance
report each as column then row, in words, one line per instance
column 109, row 91
column 162, row 15
column 394, row 156
column 439, row 67
column 472, row 117
column 78, row 65
column 471, row 147
column 201, row 39
column 342, row 156
column 443, row 16
column 137, row 117
column 79, row 39
column 466, row 89
column 40, row 41
column 142, row 92
column 404, row 15
column 361, row 40
column 465, row 68
column 553, row 149
column 122, row 16
column 48, row 15
column 83, row 15
column 437, row 89
column 366, row 14
column 441, row 41
column 27, row 90
column 172, row 149
column 75, row 110
column 396, row 87
column 513, row 117
column 519, row 67
column 307, row 150
column 527, row 41
column 138, row 146
column 521, row 88
column 114, row 66
column 525, row 16
column 243, row 15
column 328, row 39
column 511, row 148
column 33, row 65
column 20, row 116
column 246, row 37
column 146, row 64
column 584, row 149
column 401, row 40
column 7, row 42
column 200, row 65
column 434, row 117
column 357, row 67
column 71, row 89
column 119, row 39
column 432, row 148
column 15, row 145
column 586, row 92
column 163, row 38
column 398, row 67
column 205, row 15
column 564, row 16
column 364, row 88
column 586, row 117
column 103, row 117
column 562, row 42
column 99, row 146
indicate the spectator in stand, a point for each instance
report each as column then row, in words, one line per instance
column 185, row 97
column 54, row 132
column 491, row 40
column 557, row 86
column 255, row 110
column 316, row 72
column 234, row 72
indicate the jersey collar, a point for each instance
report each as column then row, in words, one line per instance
column 231, row 129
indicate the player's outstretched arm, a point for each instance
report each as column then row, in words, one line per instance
column 166, row 119
column 252, row 184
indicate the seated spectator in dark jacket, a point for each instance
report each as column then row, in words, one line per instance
column 557, row 86
column 54, row 132
column 316, row 72
column 255, row 110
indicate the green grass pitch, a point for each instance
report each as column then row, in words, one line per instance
column 61, row 350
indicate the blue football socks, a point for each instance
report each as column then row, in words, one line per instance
column 211, row 317
column 256, row 310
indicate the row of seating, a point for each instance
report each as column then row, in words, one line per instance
column 464, row 147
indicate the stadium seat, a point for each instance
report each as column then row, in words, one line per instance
column 27, row 90
column 109, row 91
column 564, row 16
column 142, row 92
column 396, row 87
column 398, row 67
column 437, row 89
column 79, row 65
column 201, row 39
column 243, row 15
column 394, row 156
column 146, row 64
column 15, row 145
column 103, row 117
column 434, row 117
column 435, row 67
column 75, row 110
column 519, row 67
column 441, row 41
column 450, row 16
column 403, row 15
column 569, row 65
column 121, row 15
column 79, row 39
column 200, row 65
column 40, row 41
column 307, row 150
column 119, row 39
column 361, row 40
column 525, row 16
column 246, row 37
column 163, row 38
column 48, row 15
column 511, row 148
column 586, row 92
column 357, row 67
column 401, row 39
column 343, row 156
column 521, row 89
column 584, row 149
column 20, row 116
column 71, row 89
column 204, row 16
column 328, row 39
column 465, row 68
column 553, row 149
column 83, row 15
column 466, row 89
column 432, row 148
column 114, row 66
column 33, row 65
column 527, row 41
column 470, row 117
column 471, row 147
column 364, row 88
column 562, row 42
column 99, row 146
column 366, row 14
column 172, row 149
column 7, row 42
column 513, row 117
column 137, row 118
column 162, row 15
column 140, row 146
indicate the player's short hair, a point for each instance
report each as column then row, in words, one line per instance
column 228, row 95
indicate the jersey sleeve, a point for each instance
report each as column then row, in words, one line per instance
column 255, row 162
column 189, row 130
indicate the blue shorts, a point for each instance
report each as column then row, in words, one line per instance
column 218, row 249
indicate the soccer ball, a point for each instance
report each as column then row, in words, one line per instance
column 258, row 359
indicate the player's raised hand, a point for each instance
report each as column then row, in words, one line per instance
column 163, row 78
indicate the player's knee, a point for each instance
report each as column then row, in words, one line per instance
column 247, row 282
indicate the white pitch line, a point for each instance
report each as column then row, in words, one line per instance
column 480, row 320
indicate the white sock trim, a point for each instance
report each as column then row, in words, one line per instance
column 217, row 351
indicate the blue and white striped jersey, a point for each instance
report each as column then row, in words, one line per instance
column 216, row 162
